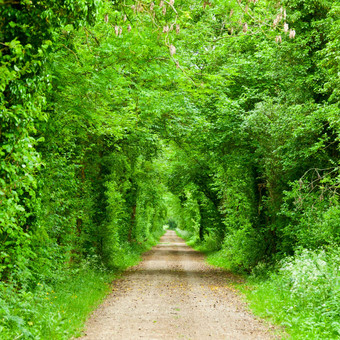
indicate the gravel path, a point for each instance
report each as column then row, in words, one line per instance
column 173, row 294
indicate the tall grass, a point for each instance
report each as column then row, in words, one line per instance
column 303, row 295
column 56, row 309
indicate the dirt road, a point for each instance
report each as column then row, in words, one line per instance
column 173, row 294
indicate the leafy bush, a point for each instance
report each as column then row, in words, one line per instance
column 241, row 250
column 303, row 294
column 186, row 235
column 313, row 210
column 212, row 241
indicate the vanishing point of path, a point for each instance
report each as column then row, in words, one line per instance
column 174, row 294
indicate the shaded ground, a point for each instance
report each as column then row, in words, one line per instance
column 173, row 294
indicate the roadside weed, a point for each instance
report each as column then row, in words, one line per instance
column 303, row 295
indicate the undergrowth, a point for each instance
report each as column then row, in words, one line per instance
column 57, row 307
column 303, row 295
column 55, row 310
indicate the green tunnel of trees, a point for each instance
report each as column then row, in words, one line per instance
column 117, row 117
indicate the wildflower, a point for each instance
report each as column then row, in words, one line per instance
column 285, row 27
column 277, row 20
column 278, row 39
column 152, row 5
column 292, row 34
column 139, row 7
column 172, row 49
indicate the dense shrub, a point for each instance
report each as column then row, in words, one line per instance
column 304, row 294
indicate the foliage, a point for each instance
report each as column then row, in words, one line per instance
column 250, row 167
column 303, row 295
column 54, row 311
column 26, row 37
column 73, row 196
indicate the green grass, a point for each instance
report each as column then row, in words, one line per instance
column 303, row 295
column 70, row 302
column 58, row 309
column 55, row 311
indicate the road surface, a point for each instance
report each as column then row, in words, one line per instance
column 174, row 294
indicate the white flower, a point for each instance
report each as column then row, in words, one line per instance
column 172, row 50
column 285, row 27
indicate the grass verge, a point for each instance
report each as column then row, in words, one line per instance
column 52, row 311
column 302, row 295
column 57, row 310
